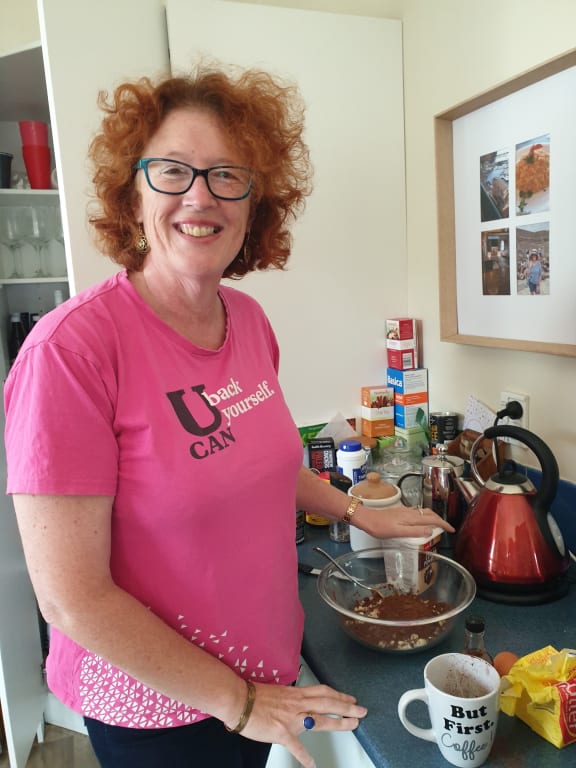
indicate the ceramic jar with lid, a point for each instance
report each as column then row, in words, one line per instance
column 376, row 493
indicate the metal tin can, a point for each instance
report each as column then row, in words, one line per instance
column 443, row 426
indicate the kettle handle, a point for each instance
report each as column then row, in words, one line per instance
column 550, row 473
column 405, row 500
column 477, row 476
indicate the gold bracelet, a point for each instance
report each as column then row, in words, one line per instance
column 349, row 514
column 247, row 711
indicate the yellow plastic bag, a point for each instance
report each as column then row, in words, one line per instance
column 540, row 689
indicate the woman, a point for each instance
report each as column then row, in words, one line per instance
column 157, row 486
column 534, row 274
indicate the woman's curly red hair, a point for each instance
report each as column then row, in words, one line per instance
column 264, row 121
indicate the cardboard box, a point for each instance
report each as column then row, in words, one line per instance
column 377, row 412
column 407, row 382
column 379, row 398
column 414, row 437
column 410, row 415
column 412, row 398
column 401, row 344
column 401, row 328
column 377, row 428
column 322, row 454
column 402, row 359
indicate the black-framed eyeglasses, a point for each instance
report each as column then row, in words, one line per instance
column 172, row 177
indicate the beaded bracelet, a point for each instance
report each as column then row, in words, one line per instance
column 349, row 514
column 247, row 711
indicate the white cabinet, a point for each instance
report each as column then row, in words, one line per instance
column 334, row 749
column 84, row 48
column 22, row 79
column 22, row 690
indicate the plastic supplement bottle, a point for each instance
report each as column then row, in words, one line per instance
column 352, row 460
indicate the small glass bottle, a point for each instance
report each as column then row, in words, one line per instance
column 474, row 638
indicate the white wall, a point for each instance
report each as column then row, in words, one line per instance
column 453, row 50
column 18, row 24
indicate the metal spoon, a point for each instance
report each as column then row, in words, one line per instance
column 375, row 591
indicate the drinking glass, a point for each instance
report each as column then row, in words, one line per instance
column 59, row 229
column 12, row 236
column 39, row 228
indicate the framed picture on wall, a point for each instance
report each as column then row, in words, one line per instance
column 506, row 181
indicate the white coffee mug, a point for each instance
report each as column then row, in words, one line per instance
column 462, row 693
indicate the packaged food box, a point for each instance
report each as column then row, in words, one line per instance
column 402, row 359
column 377, row 413
column 407, row 382
column 410, row 415
column 398, row 328
column 415, row 437
column 321, row 453
column 422, row 573
column 412, row 398
column 377, row 427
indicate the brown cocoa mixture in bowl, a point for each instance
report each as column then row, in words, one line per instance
column 403, row 607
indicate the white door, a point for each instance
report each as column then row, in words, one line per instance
column 89, row 47
column 348, row 269
column 22, row 689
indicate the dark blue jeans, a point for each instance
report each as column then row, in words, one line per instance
column 200, row 745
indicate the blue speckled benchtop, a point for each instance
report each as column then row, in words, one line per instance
column 378, row 679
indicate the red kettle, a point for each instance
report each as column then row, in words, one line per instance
column 509, row 540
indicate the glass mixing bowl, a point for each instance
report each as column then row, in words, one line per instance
column 424, row 592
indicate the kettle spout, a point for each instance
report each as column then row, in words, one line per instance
column 468, row 488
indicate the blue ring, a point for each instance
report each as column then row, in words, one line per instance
column 309, row 722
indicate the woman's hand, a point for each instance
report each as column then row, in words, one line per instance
column 318, row 497
column 279, row 712
column 391, row 522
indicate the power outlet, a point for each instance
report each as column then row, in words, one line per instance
column 505, row 398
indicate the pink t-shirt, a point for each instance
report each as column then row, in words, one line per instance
column 201, row 454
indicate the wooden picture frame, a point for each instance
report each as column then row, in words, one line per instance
column 451, row 314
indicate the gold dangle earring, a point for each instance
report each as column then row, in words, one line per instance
column 142, row 245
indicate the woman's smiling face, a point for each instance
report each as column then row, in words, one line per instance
column 194, row 234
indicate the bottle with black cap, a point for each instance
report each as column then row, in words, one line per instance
column 474, row 638
column 16, row 335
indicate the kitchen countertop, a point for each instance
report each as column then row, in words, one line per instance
column 378, row 679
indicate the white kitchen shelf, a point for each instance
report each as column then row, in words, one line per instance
column 10, row 197
column 33, row 280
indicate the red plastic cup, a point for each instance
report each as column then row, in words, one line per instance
column 37, row 162
column 33, row 133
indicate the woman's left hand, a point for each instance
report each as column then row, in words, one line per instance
column 391, row 522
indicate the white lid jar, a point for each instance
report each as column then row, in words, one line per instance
column 352, row 460
column 377, row 493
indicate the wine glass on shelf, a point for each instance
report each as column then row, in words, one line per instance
column 59, row 237
column 39, row 229
column 12, row 236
